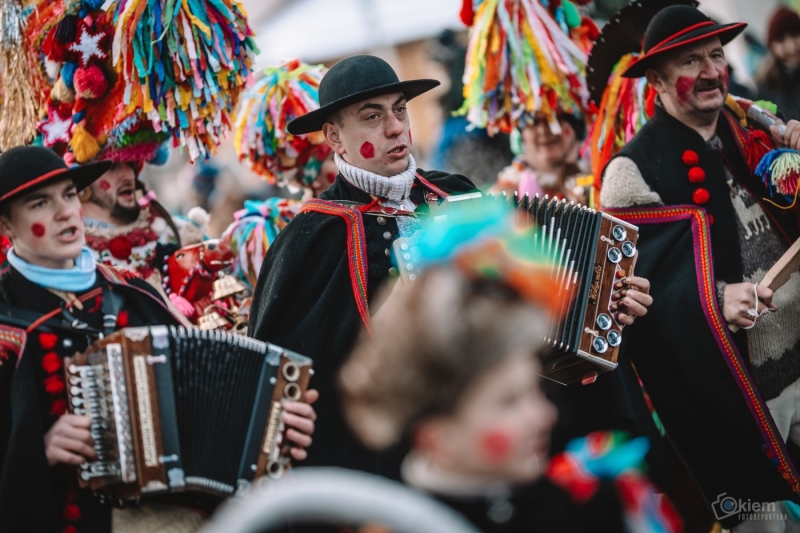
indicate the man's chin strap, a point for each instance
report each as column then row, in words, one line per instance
column 394, row 190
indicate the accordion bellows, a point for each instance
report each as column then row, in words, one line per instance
column 177, row 409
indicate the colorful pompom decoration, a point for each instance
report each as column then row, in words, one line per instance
column 261, row 139
column 690, row 158
column 701, row 196
column 521, row 60
column 697, row 175
column 626, row 105
column 90, row 82
column 780, row 171
column 253, row 231
column 185, row 65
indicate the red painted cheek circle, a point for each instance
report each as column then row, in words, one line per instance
column 496, row 445
column 37, row 230
column 367, row 150
column 683, row 87
column 331, row 177
column 104, row 185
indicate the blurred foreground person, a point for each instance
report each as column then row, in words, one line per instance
column 462, row 387
column 779, row 79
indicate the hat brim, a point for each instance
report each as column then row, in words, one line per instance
column 313, row 121
column 82, row 177
column 725, row 32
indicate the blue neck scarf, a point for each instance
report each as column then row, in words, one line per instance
column 76, row 279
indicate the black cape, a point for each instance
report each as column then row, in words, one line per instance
column 33, row 496
column 694, row 369
column 304, row 301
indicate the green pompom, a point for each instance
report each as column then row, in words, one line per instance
column 572, row 16
column 766, row 104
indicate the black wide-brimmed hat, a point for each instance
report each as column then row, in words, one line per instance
column 352, row 80
column 24, row 168
column 677, row 26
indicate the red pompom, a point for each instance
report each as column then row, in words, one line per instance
column 54, row 384
column 58, row 407
column 122, row 319
column 72, row 512
column 51, row 362
column 700, row 196
column 69, row 529
column 691, row 158
column 697, row 175
column 90, row 82
column 120, row 247
column 48, row 340
column 467, row 13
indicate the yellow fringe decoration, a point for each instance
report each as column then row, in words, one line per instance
column 83, row 145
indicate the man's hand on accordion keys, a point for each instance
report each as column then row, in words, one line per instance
column 299, row 418
column 69, row 441
column 631, row 299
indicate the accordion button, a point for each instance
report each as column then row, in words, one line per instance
column 387, row 235
column 382, row 221
column 67, row 343
column 387, row 252
column 604, row 321
column 628, row 249
column 619, row 233
column 614, row 338
column 614, row 255
column 393, row 271
column 600, row 345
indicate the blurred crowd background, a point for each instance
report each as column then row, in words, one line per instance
column 425, row 39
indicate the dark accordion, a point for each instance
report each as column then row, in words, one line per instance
column 590, row 251
column 175, row 409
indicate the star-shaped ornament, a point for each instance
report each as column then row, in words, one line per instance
column 88, row 46
column 55, row 128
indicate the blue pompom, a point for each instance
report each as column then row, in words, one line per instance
column 68, row 73
column 161, row 155
column 93, row 5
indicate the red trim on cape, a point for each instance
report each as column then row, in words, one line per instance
column 356, row 248
column 701, row 237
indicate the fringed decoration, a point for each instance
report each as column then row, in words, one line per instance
column 780, row 171
column 261, row 139
column 185, row 64
column 83, row 145
column 253, row 231
column 521, row 61
column 626, row 106
column 22, row 96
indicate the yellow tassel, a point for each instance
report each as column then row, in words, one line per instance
column 83, row 145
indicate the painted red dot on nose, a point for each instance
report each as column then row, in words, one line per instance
column 367, row 150
column 37, row 230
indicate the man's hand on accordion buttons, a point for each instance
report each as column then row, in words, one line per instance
column 631, row 299
column 299, row 418
column 69, row 441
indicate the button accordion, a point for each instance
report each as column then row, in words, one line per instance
column 590, row 251
column 175, row 409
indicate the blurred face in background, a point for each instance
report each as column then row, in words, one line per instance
column 787, row 50
column 545, row 151
column 115, row 193
column 501, row 428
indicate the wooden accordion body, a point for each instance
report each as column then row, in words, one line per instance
column 590, row 251
column 175, row 409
